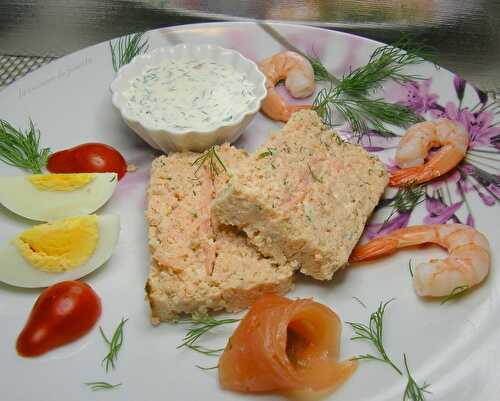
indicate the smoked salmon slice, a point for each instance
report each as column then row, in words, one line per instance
column 285, row 346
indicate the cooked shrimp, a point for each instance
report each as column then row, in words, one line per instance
column 415, row 145
column 467, row 264
column 299, row 80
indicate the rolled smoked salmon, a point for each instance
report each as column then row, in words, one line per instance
column 285, row 346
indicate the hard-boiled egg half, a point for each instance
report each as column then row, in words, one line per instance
column 47, row 197
column 61, row 250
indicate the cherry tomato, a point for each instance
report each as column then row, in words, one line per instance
column 88, row 158
column 62, row 313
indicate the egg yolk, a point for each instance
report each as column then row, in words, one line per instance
column 60, row 182
column 59, row 246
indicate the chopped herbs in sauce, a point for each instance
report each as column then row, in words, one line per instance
column 189, row 94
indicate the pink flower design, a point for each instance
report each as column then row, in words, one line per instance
column 439, row 212
column 418, row 96
column 470, row 221
column 374, row 230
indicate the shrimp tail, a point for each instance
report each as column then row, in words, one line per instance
column 374, row 249
column 277, row 109
column 405, row 176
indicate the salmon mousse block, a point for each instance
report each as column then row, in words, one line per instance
column 198, row 265
column 304, row 197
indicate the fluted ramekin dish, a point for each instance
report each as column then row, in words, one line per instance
column 170, row 139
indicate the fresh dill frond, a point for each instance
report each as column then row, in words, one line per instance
column 387, row 63
column 215, row 163
column 207, row 367
column 455, row 293
column 96, row 386
column 114, row 345
column 373, row 333
column 321, row 73
column 362, row 113
column 406, row 199
column 204, row 350
column 22, row 149
column 359, row 301
column 350, row 95
column 410, row 268
column 200, row 325
column 314, row 176
column 413, row 392
column 268, row 152
column 126, row 48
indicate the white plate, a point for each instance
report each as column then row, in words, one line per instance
column 455, row 347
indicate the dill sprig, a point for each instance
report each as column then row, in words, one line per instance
column 96, row 386
column 406, row 199
column 126, row 48
column 268, row 152
column 22, row 149
column 410, row 268
column 321, row 73
column 455, row 293
column 350, row 95
column 207, row 367
column 114, row 345
column 200, row 325
column 387, row 63
column 361, row 113
column 413, row 392
column 215, row 163
column 314, row 176
column 359, row 301
column 373, row 333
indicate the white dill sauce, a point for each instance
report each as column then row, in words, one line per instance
column 189, row 94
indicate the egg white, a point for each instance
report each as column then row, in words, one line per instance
column 16, row 271
column 20, row 196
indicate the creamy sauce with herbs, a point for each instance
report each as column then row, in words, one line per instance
column 189, row 94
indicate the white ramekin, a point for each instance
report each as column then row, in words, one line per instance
column 179, row 140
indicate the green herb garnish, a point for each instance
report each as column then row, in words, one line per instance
column 96, row 386
column 406, row 199
column 413, row 392
column 359, row 301
column 314, row 176
column 387, row 63
column 410, row 268
column 267, row 153
column 200, row 325
column 373, row 333
column 207, row 367
column 126, row 48
column 214, row 161
column 22, row 149
column 455, row 293
column 350, row 95
column 362, row 113
column 114, row 345
column 321, row 73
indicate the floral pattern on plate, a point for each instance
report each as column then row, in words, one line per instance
column 477, row 174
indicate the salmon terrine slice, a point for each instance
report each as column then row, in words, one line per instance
column 304, row 197
column 197, row 265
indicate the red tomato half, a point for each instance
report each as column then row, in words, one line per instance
column 62, row 313
column 88, row 158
